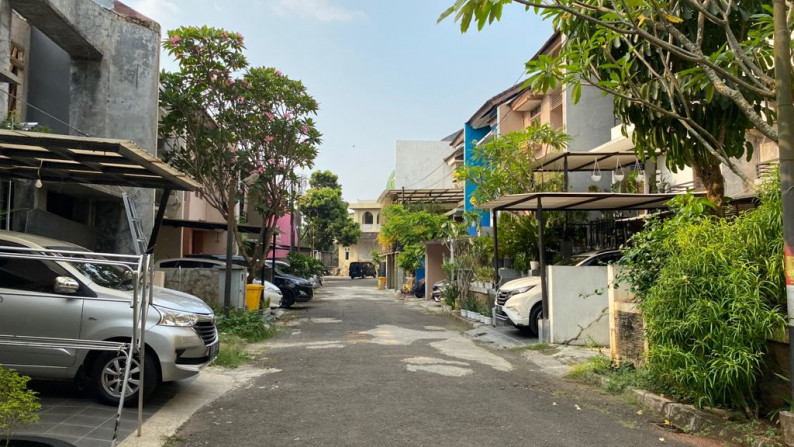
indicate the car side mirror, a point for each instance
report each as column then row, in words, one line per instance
column 66, row 285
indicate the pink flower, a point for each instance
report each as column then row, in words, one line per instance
column 269, row 116
column 239, row 37
column 229, row 81
column 280, row 166
column 268, row 138
column 279, row 73
column 175, row 40
column 304, row 130
column 287, row 116
column 239, row 99
column 225, row 35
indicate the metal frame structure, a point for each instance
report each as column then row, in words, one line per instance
column 141, row 269
column 565, row 201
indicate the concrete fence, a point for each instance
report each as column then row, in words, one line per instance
column 578, row 307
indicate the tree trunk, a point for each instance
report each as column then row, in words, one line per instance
column 710, row 174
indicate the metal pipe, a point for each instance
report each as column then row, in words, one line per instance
column 542, row 263
column 495, row 249
column 158, row 220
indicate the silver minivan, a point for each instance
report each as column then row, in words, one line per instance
column 90, row 301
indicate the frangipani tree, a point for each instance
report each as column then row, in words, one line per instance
column 232, row 122
column 280, row 138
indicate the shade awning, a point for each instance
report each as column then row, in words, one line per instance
column 96, row 161
column 213, row 226
column 584, row 161
column 451, row 196
column 585, row 201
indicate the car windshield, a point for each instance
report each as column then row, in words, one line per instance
column 573, row 260
column 110, row 276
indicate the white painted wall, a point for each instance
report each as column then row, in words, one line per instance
column 421, row 165
column 575, row 305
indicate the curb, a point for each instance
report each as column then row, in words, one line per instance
column 690, row 419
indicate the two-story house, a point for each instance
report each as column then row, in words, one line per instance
column 366, row 214
column 87, row 68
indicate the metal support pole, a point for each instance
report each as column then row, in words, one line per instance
column 291, row 229
column 495, row 249
column 542, row 263
column 158, row 220
column 273, row 258
column 227, row 289
column 565, row 173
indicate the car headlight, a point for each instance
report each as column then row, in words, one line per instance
column 519, row 291
column 170, row 317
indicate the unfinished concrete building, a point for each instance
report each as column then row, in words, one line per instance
column 81, row 68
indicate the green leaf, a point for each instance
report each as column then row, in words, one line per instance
column 576, row 92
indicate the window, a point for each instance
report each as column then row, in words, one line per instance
column 29, row 275
column 367, row 218
column 377, row 218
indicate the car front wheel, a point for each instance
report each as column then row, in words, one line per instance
column 107, row 378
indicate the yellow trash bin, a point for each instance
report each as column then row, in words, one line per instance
column 253, row 293
column 381, row 282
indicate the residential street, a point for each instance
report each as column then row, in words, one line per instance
column 356, row 366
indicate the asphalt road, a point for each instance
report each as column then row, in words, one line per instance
column 355, row 367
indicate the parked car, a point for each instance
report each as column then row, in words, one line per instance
column 519, row 301
column 293, row 288
column 601, row 257
column 272, row 293
column 286, row 268
column 438, row 290
column 362, row 270
column 91, row 301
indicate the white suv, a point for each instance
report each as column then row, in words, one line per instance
column 520, row 301
column 89, row 301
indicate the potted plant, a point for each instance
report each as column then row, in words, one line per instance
column 377, row 259
column 19, row 406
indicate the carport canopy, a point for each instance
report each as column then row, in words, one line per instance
column 422, row 195
column 566, row 201
column 584, row 161
column 578, row 201
column 96, row 161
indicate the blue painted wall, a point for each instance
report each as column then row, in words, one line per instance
column 470, row 135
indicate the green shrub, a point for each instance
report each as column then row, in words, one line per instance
column 18, row 405
column 710, row 290
column 305, row 266
column 451, row 294
column 249, row 325
column 232, row 352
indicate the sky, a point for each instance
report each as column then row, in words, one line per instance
column 382, row 70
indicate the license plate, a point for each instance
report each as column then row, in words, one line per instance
column 213, row 350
